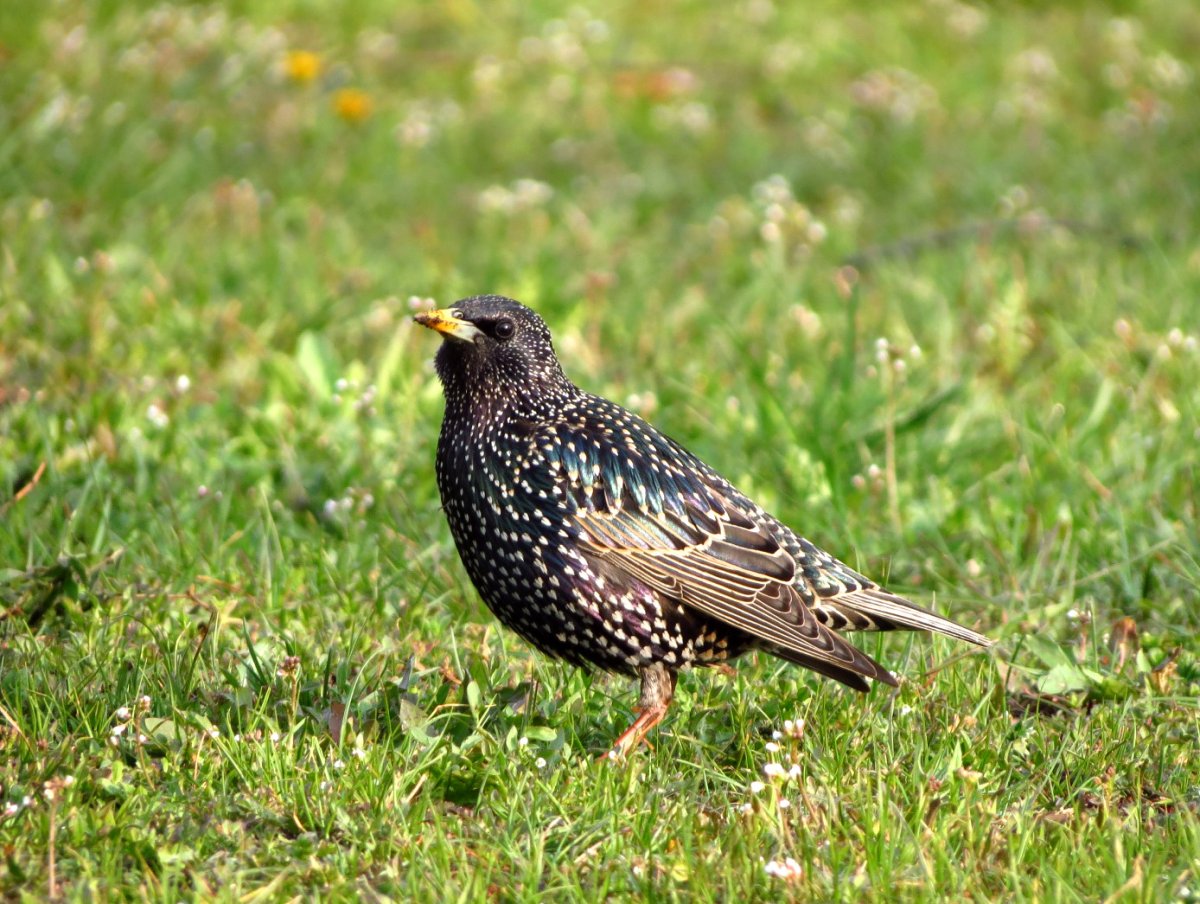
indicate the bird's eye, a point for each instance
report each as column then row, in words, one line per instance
column 504, row 329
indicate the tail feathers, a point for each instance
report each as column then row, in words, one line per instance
column 873, row 609
column 853, row 678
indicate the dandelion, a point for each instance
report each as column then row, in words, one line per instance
column 352, row 105
column 302, row 66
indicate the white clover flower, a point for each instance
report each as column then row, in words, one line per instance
column 156, row 416
column 787, row 869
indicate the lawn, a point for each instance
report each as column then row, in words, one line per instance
column 923, row 280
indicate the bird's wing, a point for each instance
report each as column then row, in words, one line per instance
column 653, row 512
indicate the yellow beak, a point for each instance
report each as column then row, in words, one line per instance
column 448, row 323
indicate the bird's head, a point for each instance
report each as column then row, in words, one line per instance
column 495, row 349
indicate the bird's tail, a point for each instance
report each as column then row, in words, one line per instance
column 873, row 609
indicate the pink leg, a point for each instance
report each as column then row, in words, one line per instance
column 658, row 689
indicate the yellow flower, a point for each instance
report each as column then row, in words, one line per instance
column 302, row 66
column 352, row 104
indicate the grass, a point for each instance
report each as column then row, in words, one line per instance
column 923, row 280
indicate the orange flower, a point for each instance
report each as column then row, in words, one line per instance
column 352, row 104
column 302, row 66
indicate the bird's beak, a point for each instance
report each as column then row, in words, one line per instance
column 449, row 324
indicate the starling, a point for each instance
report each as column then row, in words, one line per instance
column 605, row 543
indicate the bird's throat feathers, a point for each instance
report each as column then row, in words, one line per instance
column 485, row 387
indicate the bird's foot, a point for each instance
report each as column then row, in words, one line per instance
column 636, row 733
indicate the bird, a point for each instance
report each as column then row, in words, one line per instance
column 605, row 543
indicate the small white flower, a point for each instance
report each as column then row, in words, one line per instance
column 774, row 770
column 787, row 869
column 275, row 737
column 156, row 416
column 756, row 787
column 339, row 764
column 784, row 803
column 523, row 742
column 123, row 713
column 183, row 383
column 540, row 763
column 772, row 747
column 776, row 736
column 795, row 772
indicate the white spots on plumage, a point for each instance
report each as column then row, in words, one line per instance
column 522, row 450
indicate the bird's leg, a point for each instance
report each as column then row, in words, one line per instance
column 658, row 689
